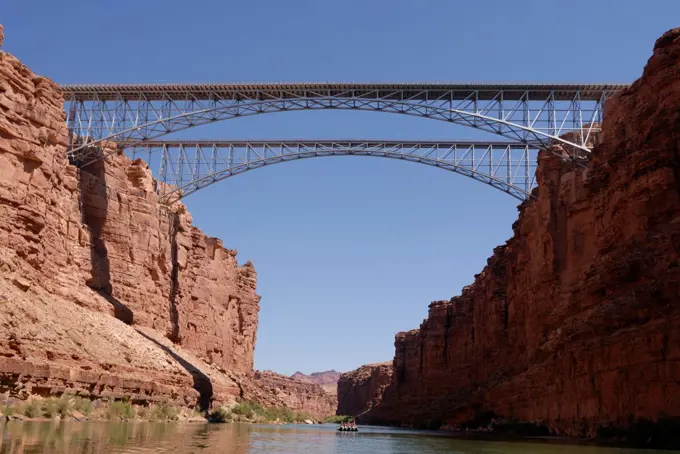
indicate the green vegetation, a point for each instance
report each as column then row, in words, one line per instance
column 143, row 412
column 247, row 409
column 77, row 406
column 196, row 412
column 71, row 405
column 49, row 408
column 62, row 406
column 164, row 412
column 337, row 419
column 82, row 405
column 253, row 412
column 121, row 409
column 32, row 409
column 222, row 414
column 303, row 415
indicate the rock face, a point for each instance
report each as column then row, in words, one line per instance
column 77, row 246
column 574, row 322
column 328, row 380
column 362, row 389
column 275, row 390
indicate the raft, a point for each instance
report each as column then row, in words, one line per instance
column 341, row 429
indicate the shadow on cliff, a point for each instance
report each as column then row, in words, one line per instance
column 175, row 228
column 94, row 205
column 202, row 382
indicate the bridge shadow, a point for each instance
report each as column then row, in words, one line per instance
column 94, row 205
column 202, row 382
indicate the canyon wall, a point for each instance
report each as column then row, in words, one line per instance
column 361, row 389
column 89, row 260
column 328, row 380
column 105, row 293
column 574, row 322
column 275, row 390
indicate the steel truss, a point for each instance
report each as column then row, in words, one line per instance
column 184, row 167
column 133, row 114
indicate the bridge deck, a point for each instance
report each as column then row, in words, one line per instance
column 262, row 91
column 335, row 143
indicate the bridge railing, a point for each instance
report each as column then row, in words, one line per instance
column 525, row 113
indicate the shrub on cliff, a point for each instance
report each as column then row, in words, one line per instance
column 221, row 414
column 121, row 409
column 49, row 408
column 8, row 410
column 248, row 409
column 143, row 412
column 303, row 416
column 64, row 405
column 254, row 412
column 337, row 419
column 32, row 409
column 82, row 405
column 164, row 412
column 280, row 414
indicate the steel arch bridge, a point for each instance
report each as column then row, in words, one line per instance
column 184, row 167
column 132, row 114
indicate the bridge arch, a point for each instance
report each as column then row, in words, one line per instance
column 526, row 113
column 185, row 167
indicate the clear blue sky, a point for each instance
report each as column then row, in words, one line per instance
column 348, row 250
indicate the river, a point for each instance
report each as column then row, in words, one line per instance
column 202, row 438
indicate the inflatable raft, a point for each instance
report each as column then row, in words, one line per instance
column 347, row 429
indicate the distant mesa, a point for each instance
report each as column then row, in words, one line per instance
column 328, row 380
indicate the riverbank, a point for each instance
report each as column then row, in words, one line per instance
column 78, row 408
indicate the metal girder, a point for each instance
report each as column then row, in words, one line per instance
column 184, row 167
column 133, row 114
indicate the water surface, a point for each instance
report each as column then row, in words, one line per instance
column 200, row 438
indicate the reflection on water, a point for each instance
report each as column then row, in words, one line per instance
column 127, row 437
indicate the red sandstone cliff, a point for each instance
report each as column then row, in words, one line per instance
column 574, row 322
column 361, row 389
column 79, row 246
column 105, row 293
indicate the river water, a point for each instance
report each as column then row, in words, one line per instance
column 200, row 438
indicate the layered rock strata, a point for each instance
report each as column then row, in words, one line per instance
column 574, row 322
column 362, row 389
column 274, row 390
column 328, row 380
column 89, row 260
